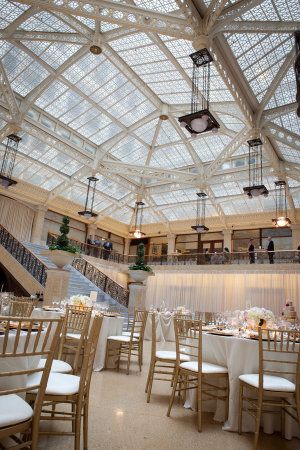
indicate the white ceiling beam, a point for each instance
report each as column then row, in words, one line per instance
column 45, row 36
column 232, row 12
column 123, row 15
column 212, row 14
column 279, row 111
column 282, row 135
column 8, row 94
column 216, row 205
column 234, row 145
column 284, row 68
column 21, row 19
column 256, row 26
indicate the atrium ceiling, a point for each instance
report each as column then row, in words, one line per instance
column 81, row 114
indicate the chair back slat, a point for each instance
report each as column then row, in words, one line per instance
column 188, row 336
column 21, row 308
column 139, row 324
column 279, row 353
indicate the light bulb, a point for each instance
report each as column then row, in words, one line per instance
column 281, row 221
column 88, row 214
column 199, row 125
column 137, row 234
column 215, row 130
column 205, row 117
column 255, row 192
column 183, row 124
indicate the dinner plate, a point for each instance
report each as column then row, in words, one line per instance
column 221, row 333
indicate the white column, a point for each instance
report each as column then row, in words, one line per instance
column 295, row 236
column 227, row 239
column 38, row 224
column 171, row 243
column 127, row 242
column 137, row 296
column 57, row 285
column 92, row 228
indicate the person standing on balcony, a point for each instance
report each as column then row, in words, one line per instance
column 270, row 250
column 251, row 251
column 107, row 249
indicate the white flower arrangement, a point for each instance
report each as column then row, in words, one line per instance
column 79, row 300
column 257, row 314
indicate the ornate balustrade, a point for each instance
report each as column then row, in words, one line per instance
column 103, row 282
column 23, row 255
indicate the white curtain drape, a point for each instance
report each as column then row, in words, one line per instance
column 16, row 218
column 222, row 291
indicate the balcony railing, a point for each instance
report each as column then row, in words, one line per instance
column 23, row 255
column 103, row 282
column 261, row 256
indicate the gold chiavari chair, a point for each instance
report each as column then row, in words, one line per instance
column 74, row 333
column 18, row 420
column 129, row 345
column 73, row 390
column 26, row 299
column 278, row 382
column 162, row 362
column 21, row 308
column 196, row 374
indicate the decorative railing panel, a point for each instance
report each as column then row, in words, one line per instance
column 23, row 255
column 103, row 282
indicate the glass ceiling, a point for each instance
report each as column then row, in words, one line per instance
column 99, row 110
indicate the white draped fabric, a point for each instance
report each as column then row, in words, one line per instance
column 16, row 218
column 219, row 290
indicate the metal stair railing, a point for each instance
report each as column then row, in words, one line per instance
column 23, row 255
column 102, row 281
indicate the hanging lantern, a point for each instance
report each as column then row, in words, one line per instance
column 200, row 217
column 256, row 186
column 138, row 214
column 281, row 205
column 88, row 210
column 8, row 162
column 200, row 119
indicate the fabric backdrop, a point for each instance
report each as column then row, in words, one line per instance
column 225, row 290
column 16, row 218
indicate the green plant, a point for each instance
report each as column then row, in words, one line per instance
column 62, row 242
column 140, row 260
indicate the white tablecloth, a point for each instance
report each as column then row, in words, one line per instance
column 164, row 328
column 240, row 356
column 111, row 326
column 17, row 363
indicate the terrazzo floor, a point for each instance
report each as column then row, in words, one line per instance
column 120, row 419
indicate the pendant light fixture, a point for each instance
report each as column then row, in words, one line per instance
column 281, row 205
column 138, row 220
column 256, row 186
column 89, row 202
column 200, row 217
column 8, row 161
column 200, row 119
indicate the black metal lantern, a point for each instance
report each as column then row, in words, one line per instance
column 138, row 214
column 88, row 212
column 200, row 119
column 282, row 219
column 200, row 217
column 256, row 186
column 8, row 162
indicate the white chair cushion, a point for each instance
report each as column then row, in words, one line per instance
column 13, row 410
column 128, row 333
column 58, row 383
column 163, row 354
column 73, row 335
column 58, row 366
column 207, row 368
column 270, row 383
column 121, row 338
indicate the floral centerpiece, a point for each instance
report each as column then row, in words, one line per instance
column 256, row 317
column 79, row 300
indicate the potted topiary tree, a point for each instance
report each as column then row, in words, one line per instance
column 139, row 272
column 62, row 253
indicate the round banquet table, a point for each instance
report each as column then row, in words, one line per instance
column 164, row 328
column 111, row 326
column 16, row 363
column 240, row 356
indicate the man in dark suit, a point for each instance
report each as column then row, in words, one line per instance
column 107, row 249
column 270, row 250
column 251, row 250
